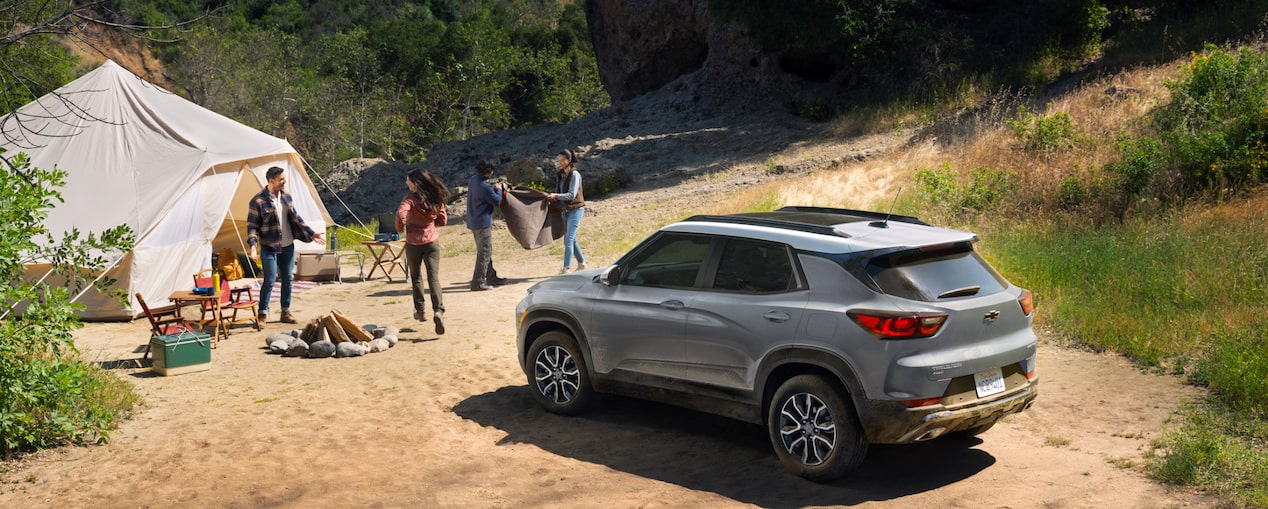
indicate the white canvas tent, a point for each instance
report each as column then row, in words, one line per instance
column 179, row 174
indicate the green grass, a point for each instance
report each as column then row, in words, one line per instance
column 1221, row 451
column 1183, row 291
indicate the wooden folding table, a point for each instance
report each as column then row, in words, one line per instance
column 182, row 298
column 387, row 257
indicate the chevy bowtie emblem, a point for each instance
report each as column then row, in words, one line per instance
column 991, row 315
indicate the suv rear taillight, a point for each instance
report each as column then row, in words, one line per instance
column 887, row 325
column 1027, row 302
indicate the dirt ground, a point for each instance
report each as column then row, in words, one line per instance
column 447, row 421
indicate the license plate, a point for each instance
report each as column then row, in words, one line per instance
column 989, row 382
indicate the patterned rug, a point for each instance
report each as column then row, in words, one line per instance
column 297, row 287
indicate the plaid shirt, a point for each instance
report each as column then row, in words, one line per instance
column 262, row 225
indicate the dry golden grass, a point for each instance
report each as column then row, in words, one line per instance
column 866, row 184
column 1099, row 118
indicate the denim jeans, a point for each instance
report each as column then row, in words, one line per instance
column 427, row 255
column 572, row 219
column 272, row 260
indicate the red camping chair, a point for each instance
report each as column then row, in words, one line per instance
column 163, row 321
column 235, row 300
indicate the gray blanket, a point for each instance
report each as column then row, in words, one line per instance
column 530, row 218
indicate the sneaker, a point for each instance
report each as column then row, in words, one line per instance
column 287, row 317
column 440, row 322
column 565, row 270
column 263, row 315
column 480, row 288
column 420, row 316
column 582, row 266
column 498, row 281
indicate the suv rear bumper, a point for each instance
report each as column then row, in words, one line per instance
column 889, row 422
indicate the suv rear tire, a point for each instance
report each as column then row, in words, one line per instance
column 814, row 429
column 558, row 376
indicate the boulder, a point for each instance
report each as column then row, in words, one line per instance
column 277, row 336
column 298, row 348
column 321, row 349
column 349, row 349
column 279, row 346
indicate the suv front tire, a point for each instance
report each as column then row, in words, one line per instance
column 559, row 379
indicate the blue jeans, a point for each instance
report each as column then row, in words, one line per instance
column 272, row 260
column 572, row 219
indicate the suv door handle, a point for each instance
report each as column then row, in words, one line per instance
column 673, row 304
column 777, row 316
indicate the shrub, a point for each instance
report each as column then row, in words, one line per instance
column 1217, row 120
column 1043, row 132
column 1071, row 193
column 47, row 396
column 986, row 188
column 608, row 183
column 1138, row 165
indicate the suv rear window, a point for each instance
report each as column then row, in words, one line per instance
column 930, row 275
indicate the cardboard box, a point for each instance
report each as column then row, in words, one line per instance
column 186, row 352
column 320, row 266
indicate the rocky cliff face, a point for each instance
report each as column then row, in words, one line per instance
column 643, row 44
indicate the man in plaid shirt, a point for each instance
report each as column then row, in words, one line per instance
column 273, row 226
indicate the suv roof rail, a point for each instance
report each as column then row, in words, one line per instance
column 819, row 220
column 856, row 213
column 770, row 222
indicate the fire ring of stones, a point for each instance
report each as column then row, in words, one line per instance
column 332, row 335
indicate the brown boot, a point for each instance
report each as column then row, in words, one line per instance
column 287, row 317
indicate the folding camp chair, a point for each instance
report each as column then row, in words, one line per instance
column 163, row 321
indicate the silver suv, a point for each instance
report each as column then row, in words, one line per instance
column 832, row 328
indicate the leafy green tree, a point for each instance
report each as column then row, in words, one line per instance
column 30, row 63
column 356, row 78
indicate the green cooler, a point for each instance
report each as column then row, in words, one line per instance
column 175, row 354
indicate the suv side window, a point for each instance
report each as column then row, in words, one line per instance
column 672, row 260
column 754, row 266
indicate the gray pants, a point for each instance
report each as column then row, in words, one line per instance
column 428, row 255
column 484, row 257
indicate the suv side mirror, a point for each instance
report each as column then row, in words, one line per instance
column 610, row 276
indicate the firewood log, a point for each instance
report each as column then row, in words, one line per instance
column 354, row 331
column 334, row 329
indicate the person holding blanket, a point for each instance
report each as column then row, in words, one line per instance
column 482, row 199
column 570, row 197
